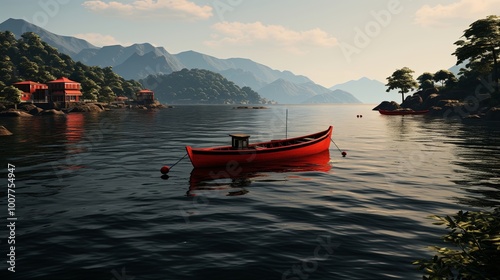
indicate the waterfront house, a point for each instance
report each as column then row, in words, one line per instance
column 64, row 90
column 145, row 96
column 32, row 91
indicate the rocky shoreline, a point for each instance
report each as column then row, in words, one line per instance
column 453, row 104
column 30, row 110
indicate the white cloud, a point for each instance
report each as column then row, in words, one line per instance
column 182, row 9
column 246, row 34
column 445, row 15
column 99, row 40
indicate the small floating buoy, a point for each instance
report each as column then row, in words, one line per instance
column 165, row 169
column 344, row 154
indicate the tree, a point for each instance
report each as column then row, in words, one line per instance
column 402, row 79
column 106, row 95
column 443, row 76
column 481, row 44
column 426, row 80
column 12, row 94
column 476, row 236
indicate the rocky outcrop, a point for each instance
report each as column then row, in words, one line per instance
column 493, row 114
column 387, row 105
column 413, row 102
column 4, row 131
column 52, row 112
column 88, row 107
column 14, row 113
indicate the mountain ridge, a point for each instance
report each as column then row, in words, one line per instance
column 65, row 44
column 137, row 61
column 367, row 90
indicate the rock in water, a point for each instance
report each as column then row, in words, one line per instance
column 14, row 113
column 52, row 112
column 4, row 131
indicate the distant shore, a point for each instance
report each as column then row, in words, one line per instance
column 457, row 104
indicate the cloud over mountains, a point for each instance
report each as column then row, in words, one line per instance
column 182, row 9
column 245, row 34
column 443, row 15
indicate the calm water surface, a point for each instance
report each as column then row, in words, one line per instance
column 91, row 204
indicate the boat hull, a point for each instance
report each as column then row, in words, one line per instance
column 402, row 112
column 260, row 153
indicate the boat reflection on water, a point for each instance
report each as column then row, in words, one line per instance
column 233, row 179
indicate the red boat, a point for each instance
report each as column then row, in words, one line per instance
column 241, row 153
column 403, row 112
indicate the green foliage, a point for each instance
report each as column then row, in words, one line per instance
column 426, row 80
column 401, row 79
column 481, row 47
column 476, row 252
column 29, row 58
column 11, row 94
column 199, row 86
column 445, row 77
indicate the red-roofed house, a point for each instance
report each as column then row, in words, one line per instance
column 32, row 91
column 64, row 90
column 145, row 96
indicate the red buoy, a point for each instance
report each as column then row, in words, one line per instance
column 165, row 169
column 344, row 154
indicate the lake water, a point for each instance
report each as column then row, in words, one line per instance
column 90, row 202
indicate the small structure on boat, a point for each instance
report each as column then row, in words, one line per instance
column 239, row 141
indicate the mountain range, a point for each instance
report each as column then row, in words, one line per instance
column 140, row 60
column 368, row 90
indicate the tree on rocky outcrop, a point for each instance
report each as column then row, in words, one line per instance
column 402, row 79
column 106, row 95
column 12, row 94
column 445, row 77
column 481, row 46
column 426, row 81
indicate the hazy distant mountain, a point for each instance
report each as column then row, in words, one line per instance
column 286, row 92
column 192, row 59
column 367, row 90
column 65, row 44
column 116, row 55
column 139, row 66
column 243, row 78
column 455, row 69
column 336, row 96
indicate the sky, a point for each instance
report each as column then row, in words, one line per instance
column 329, row 41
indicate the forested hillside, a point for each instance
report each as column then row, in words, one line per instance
column 199, row 86
column 29, row 58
